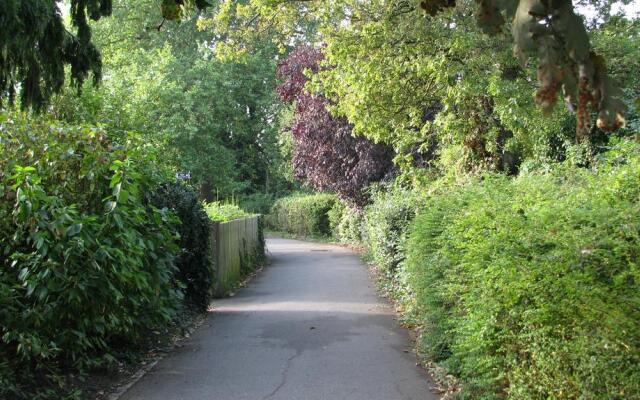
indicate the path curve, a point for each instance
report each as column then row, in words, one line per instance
column 309, row 327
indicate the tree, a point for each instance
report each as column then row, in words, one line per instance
column 36, row 45
column 211, row 117
column 446, row 97
column 326, row 154
column 548, row 32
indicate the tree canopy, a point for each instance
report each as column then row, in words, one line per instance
column 547, row 33
column 326, row 155
column 37, row 45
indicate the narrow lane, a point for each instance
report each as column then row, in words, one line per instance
column 309, row 327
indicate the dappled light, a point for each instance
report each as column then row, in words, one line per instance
column 308, row 199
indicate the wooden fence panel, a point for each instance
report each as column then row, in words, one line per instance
column 234, row 245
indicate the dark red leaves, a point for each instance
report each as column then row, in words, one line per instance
column 326, row 154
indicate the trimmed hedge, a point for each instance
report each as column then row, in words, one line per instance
column 346, row 223
column 529, row 288
column 223, row 212
column 384, row 226
column 302, row 215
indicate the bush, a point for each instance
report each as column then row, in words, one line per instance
column 223, row 212
column 194, row 262
column 346, row 223
column 303, row 215
column 256, row 256
column 257, row 203
column 385, row 223
column 85, row 262
column 530, row 288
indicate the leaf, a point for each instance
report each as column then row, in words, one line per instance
column 24, row 272
column 116, row 189
column 202, row 4
column 74, row 229
column 171, row 10
column 110, row 206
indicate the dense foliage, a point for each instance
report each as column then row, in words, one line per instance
column 209, row 117
column 549, row 32
column 37, row 46
column 556, row 36
column 528, row 288
column 326, row 155
column 302, row 214
column 223, row 212
column 257, row 203
column 194, row 259
column 86, row 262
column 385, row 222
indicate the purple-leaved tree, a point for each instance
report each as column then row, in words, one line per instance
column 326, row 155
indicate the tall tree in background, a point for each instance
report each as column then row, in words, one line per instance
column 210, row 117
column 326, row 154
column 547, row 33
column 37, row 46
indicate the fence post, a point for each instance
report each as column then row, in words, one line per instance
column 214, row 250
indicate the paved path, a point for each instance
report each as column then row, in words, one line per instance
column 309, row 327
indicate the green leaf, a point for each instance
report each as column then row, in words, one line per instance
column 116, row 189
column 24, row 272
column 110, row 206
column 74, row 229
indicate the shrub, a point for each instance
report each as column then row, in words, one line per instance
column 303, row 215
column 385, row 222
column 346, row 223
column 529, row 288
column 256, row 256
column 194, row 262
column 223, row 212
column 85, row 262
column 257, row 203
column 335, row 214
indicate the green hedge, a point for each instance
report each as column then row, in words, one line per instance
column 86, row 262
column 302, row 215
column 194, row 262
column 257, row 203
column 346, row 223
column 223, row 212
column 384, row 226
column 529, row 288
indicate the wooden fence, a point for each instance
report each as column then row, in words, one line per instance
column 236, row 247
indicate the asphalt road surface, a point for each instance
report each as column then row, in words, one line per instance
column 309, row 327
